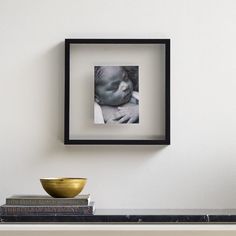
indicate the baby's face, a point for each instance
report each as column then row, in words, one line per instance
column 113, row 88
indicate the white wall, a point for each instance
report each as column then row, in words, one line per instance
column 198, row 170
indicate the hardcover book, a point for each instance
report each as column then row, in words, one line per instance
column 44, row 200
column 17, row 210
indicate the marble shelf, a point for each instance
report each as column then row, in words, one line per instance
column 135, row 216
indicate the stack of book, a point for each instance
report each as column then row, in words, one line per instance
column 39, row 205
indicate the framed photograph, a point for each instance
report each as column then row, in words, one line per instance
column 117, row 91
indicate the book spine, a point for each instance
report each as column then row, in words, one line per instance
column 47, row 202
column 47, row 210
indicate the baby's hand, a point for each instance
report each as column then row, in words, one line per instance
column 128, row 114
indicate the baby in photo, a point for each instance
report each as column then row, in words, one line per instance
column 116, row 95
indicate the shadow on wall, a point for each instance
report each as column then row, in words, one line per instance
column 57, row 55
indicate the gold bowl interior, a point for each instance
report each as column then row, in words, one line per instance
column 63, row 187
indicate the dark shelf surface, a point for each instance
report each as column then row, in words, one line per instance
column 134, row 216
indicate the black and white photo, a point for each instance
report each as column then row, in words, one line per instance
column 116, row 95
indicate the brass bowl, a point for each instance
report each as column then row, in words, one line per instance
column 63, row 187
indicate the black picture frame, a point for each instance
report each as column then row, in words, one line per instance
column 164, row 141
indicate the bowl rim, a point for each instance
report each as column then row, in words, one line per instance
column 61, row 178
